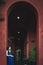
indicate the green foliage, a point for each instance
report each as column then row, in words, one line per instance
column 33, row 54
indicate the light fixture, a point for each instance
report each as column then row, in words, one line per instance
column 18, row 32
column 18, row 17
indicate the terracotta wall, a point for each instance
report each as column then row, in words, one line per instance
column 38, row 4
column 2, row 39
column 31, row 42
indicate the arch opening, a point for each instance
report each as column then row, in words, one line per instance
column 22, row 31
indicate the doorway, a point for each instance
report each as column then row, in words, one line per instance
column 22, row 20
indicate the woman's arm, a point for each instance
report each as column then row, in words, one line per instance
column 8, row 55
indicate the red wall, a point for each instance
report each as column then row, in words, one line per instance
column 38, row 4
column 32, row 37
column 30, row 44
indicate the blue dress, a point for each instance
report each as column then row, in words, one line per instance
column 10, row 60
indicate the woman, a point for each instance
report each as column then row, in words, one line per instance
column 10, row 57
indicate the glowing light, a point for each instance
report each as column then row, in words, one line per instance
column 18, row 32
column 18, row 17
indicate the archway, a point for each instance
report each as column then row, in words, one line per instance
column 22, row 23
